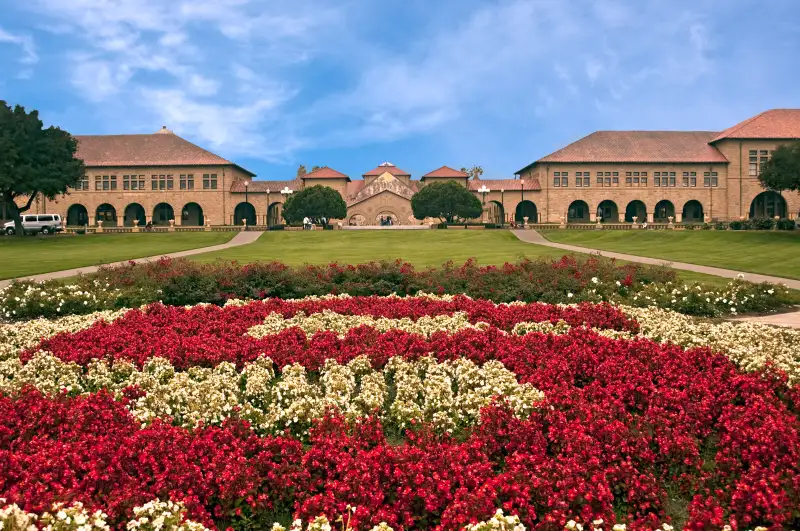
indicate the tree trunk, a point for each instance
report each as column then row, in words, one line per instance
column 16, row 212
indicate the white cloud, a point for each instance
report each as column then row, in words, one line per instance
column 25, row 42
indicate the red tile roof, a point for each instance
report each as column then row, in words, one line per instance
column 383, row 168
column 257, row 187
column 507, row 185
column 772, row 124
column 163, row 148
column 639, row 147
column 445, row 171
column 326, row 173
column 354, row 187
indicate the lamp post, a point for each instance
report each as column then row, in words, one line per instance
column 286, row 192
column 268, row 209
column 246, row 200
column 503, row 204
column 522, row 190
column 483, row 190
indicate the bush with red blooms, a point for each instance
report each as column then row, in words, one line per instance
column 629, row 430
column 208, row 335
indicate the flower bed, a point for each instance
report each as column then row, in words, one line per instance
column 403, row 413
column 569, row 280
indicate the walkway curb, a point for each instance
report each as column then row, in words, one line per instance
column 241, row 238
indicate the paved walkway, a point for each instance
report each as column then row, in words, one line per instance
column 791, row 319
column 241, row 238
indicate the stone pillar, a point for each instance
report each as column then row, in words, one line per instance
column 148, row 218
column 91, row 220
column 650, row 217
column 208, row 223
column 171, row 225
column 100, row 226
column 621, row 217
column 592, row 217
column 563, row 224
column 678, row 217
column 135, row 225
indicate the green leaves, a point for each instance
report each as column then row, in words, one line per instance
column 782, row 170
column 447, row 201
column 315, row 202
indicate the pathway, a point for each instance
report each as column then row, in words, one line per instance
column 241, row 238
column 791, row 319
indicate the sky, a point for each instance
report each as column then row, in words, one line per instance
column 271, row 84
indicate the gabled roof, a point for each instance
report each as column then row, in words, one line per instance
column 387, row 167
column 775, row 124
column 256, row 187
column 163, row 148
column 445, row 171
column 639, row 147
column 325, row 173
column 507, row 185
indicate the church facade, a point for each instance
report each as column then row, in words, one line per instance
column 607, row 176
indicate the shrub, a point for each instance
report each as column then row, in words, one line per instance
column 762, row 223
column 719, row 225
column 785, row 224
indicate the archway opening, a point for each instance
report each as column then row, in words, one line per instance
column 162, row 214
column 135, row 212
column 107, row 214
column 693, row 211
column 664, row 210
column 578, row 212
column 275, row 214
column 357, row 220
column 495, row 212
column 526, row 209
column 192, row 215
column 77, row 215
column 768, row 205
column 244, row 211
column 607, row 212
column 635, row 209
column 387, row 218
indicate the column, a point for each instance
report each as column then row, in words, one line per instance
column 678, row 217
column 650, row 217
column 592, row 217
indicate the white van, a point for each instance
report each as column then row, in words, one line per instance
column 35, row 223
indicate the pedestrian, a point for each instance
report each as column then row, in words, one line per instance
column 306, row 223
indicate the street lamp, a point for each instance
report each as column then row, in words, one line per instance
column 246, row 200
column 268, row 223
column 483, row 190
column 503, row 205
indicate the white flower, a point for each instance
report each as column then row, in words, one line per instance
column 569, row 295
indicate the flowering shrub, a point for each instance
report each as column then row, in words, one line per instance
column 568, row 280
column 416, row 429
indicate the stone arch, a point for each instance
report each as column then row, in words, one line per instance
column 275, row 214
column 77, row 215
column 578, row 212
column 244, row 211
column 693, row 211
column 607, row 212
column 134, row 211
column 664, row 210
column 192, row 215
column 162, row 214
column 527, row 209
column 495, row 212
column 636, row 208
column 107, row 214
column 387, row 217
column 768, row 205
column 357, row 220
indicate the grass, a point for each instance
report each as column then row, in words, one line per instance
column 421, row 248
column 766, row 252
column 43, row 254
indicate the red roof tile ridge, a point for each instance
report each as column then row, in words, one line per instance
column 731, row 130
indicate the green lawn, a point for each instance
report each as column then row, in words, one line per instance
column 420, row 247
column 769, row 253
column 42, row 254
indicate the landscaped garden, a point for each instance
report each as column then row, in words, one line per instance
column 33, row 255
column 547, row 395
column 767, row 252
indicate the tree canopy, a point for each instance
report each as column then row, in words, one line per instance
column 301, row 171
column 315, row 202
column 474, row 172
column 782, row 170
column 34, row 160
column 448, row 201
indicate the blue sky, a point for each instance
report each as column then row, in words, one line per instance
column 421, row 83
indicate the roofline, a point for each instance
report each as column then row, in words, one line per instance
column 162, row 165
column 735, row 138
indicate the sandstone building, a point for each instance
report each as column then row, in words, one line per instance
column 607, row 176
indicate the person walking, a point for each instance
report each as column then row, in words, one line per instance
column 306, row 223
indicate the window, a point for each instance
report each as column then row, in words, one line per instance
column 133, row 182
column 209, row 181
column 582, row 179
column 628, row 181
column 608, row 181
column 636, row 181
column 710, row 179
column 187, row 182
column 615, row 174
column 615, row 180
column 644, row 173
column 644, row 181
column 161, row 182
column 564, row 181
column 557, row 179
column 578, row 180
column 609, row 173
column 689, row 178
column 83, row 183
column 636, row 174
column 627, row 174
column 105, row 182
column 600, row 181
